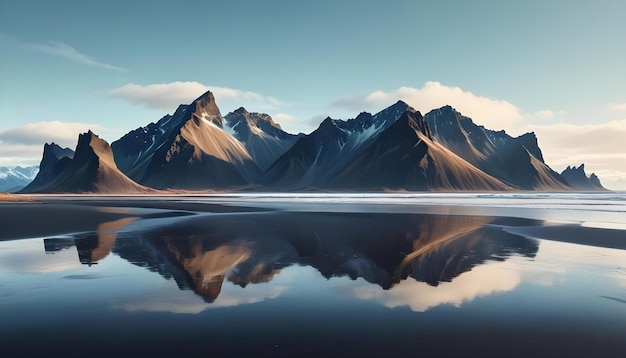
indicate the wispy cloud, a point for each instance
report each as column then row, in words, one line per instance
column 167, row 96
column 68, row 52
column 491, row 113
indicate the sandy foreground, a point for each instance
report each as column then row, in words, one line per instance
column 43, row 216
column 13, row 198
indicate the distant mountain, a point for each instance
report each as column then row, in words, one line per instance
column 316, row 158
column 518, row 162
column 263, row 138
column 189, row 150
column 577, row 178
column 91, row 169
column 13, row 179
column 406, row 157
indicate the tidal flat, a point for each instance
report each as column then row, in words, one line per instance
column 303, row 275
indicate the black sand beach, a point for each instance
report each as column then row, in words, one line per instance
column 309, row 276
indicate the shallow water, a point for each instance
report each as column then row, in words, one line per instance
column 374, row 278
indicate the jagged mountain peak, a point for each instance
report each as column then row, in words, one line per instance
column 577, row 178
column 90, row 144
column 400, row 104
column 330, row 125
column 263, row 138
column 92, row 140
column 399, row 107
column 206, row 96
column 415, row 121
column 205, row 108
column 260, row 120
column 53, row 151
column 529, row 141
column 91, row 168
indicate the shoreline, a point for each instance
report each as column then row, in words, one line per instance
column 60, row 214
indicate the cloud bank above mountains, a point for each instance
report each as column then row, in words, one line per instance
column 492, row 113
column 24, row 145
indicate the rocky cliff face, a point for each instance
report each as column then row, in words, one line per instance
column 405, row 157
column 54, row 161
column 518, row 162
column 188, row 150
column 315, row 159
column 264, row 139
column 91, row 169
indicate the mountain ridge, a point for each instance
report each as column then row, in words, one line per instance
column 91, row 169
column 395, row 149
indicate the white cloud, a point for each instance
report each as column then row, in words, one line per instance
column 28, row 257
column 546, row 114
column 287, row 122
column 24, row 145
column 617, row 107
column 68, row 52
column 492, row 113
column 283, row 118
column 62, row 133
column 167, row 96
column 599, row 146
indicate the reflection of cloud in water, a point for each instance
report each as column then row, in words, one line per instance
column 419, row 296
column 91, row 247
column 26, row 256
column 559, row 258
column 167, row 299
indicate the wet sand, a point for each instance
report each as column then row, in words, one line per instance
column 196, row 274
column 574, row 234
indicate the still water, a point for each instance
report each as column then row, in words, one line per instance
column 309, row 283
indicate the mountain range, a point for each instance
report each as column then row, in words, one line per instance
column 397, row 148
column 13, row 179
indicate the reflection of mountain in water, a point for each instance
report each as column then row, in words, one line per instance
column 200, row 252
column 91, row 247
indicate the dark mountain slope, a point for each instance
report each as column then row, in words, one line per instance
column 263, row 138
column 53, row 162
column 91, row 170
column 515, row 161
column 406, row 157
column 189, row 150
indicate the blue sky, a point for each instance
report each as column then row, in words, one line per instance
column 553, row 67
